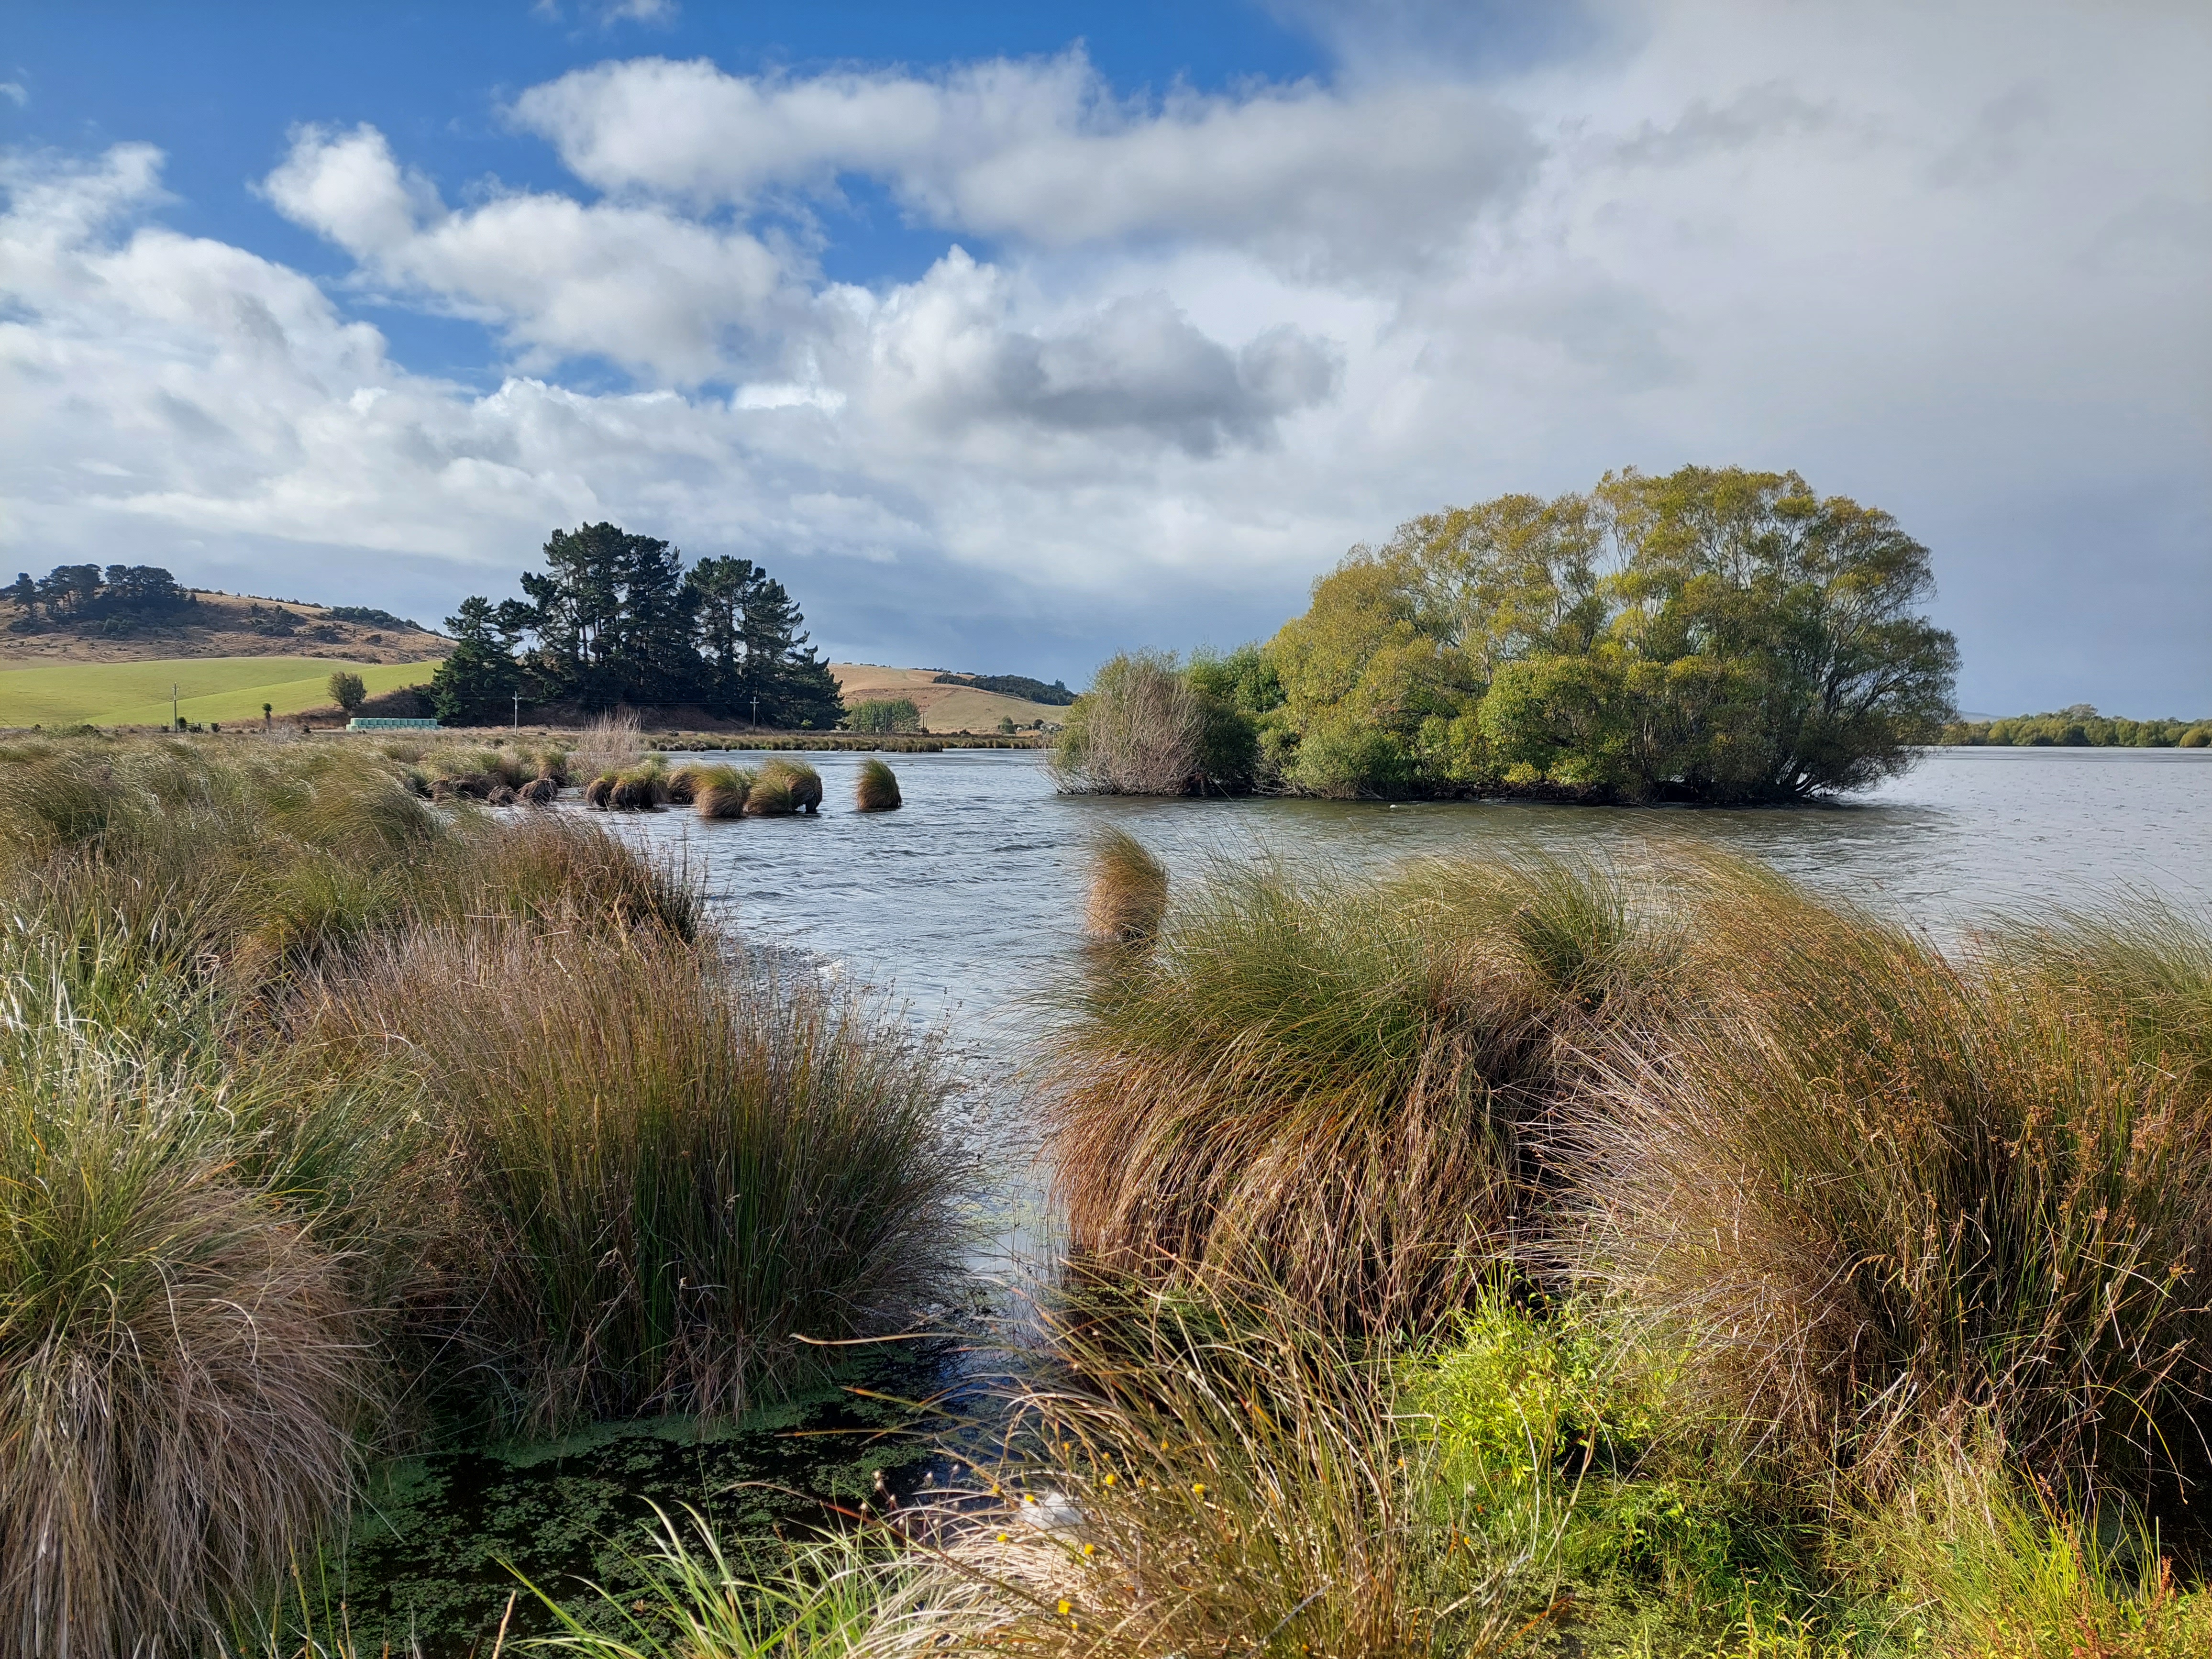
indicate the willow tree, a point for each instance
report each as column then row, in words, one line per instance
column 1712, row 634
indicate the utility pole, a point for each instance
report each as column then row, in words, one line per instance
column 174, row 721
column 518, row 711
column 755, row 711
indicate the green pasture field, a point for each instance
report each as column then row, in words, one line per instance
column 208, row 688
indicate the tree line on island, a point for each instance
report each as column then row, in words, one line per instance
column 1712, row 634
column 616, row 620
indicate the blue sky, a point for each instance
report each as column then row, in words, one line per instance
column 1013, row 336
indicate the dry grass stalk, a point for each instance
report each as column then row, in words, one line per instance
column 611, row 743
column 876, row 789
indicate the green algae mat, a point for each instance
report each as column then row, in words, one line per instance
column 439, row 1541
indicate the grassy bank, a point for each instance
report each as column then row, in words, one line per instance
column 334, row 1121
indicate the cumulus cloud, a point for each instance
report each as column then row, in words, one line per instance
column 1173, row 354
column 1042, row 152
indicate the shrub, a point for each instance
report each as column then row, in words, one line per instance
column 1892, row 1198
column 668, row 1169
column 883, row 714
column 348, row 691
column 1145, row 729
column 876, row 789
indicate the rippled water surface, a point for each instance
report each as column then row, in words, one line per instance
column 969, row 897
column 967, row 902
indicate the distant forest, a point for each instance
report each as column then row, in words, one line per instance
column 616, row 620
column 2079, row 727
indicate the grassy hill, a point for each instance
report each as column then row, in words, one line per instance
column 209, row 689
column 223, row 625
column 943, row 707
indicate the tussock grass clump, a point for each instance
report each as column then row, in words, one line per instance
column 781, row 787
column 682, row 784
column 1129, row 892
column 541, row 791
column 1891, row 1198
column 669, row 1170
column 1221, row 1474
column 1330, row 1085
column 642, row 788
column 184, row 1354
column 876, row 789
column 721, row 791
column 600, row 790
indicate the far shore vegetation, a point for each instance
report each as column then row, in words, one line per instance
column 1711, row 636
column 2079, row 727
column 1491, row 1255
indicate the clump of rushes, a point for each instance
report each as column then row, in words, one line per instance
column 669, row 1168
column 720, row 792
column 1892, row 1199
column 539, row 792
column 683, row 784
column 1221, row 1473
column 600, row 790
column 876, row 789
column 1330, row 1085
column 183, row 1366
column 782, row 786
column 1129, row 892
column 642, row 788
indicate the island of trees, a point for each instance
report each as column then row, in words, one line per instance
column 617, row 620
column 1713, row 636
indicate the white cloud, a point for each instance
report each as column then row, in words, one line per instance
column 1172, row 356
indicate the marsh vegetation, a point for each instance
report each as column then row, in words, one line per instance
column 1479, row 1255
column 334, row 1121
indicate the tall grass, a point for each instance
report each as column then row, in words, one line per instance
column 1128, row 891
column 781, row 787
column 609, row 743
column 1220, row 1474
column 1893, row 1199
column 1330, row 1085
column 721, row 791
column 876, row 789
column 186, row 1359
column 668, row 1171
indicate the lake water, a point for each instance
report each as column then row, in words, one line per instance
column 968, row 901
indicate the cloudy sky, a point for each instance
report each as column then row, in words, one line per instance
column 1011, row 336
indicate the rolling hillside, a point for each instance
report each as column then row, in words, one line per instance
column 209, row 689
column 943, row 707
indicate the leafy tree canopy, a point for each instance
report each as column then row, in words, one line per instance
column 1711, row 634
column 617, row 619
